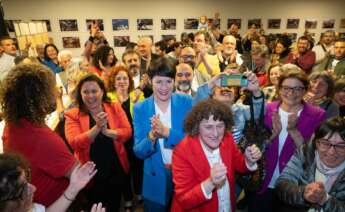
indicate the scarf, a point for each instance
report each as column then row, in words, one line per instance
column 330, row 173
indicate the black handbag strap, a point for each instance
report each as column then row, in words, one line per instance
column 262, row 110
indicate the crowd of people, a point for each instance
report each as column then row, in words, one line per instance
column 173, row 125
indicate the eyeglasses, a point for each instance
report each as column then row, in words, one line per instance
column 287, row 89
column 325, row 145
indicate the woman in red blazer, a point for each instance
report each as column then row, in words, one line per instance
column 204, row 162
column 96, row 131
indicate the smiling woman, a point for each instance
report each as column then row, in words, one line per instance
column 158, row 128
column 203, row 168
column 321, row 165
column 97, row 130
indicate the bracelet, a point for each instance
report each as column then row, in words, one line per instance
column 67, row 197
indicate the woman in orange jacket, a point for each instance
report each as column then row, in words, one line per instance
column 97, row 129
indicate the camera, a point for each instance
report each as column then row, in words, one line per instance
column 237, row 80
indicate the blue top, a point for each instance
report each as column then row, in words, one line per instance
column 54, row 67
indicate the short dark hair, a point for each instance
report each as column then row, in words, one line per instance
column 45, row 50
column 11, row 168
column 128, row 52
column 163, row 67
column 203, row 110
column 162, row 45
column 2, row 38
column 101, row 54
column 131, row 46
column 330, row 126
column 325, row 77
column 89, row 78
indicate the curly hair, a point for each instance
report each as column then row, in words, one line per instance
column 28, row 92
column 114, row 71
column 89, row 78
column 203, row 110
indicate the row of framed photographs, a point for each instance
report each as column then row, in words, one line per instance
column 122, row 41
column 67, row 25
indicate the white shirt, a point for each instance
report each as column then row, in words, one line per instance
column 223, row 192
column 37, row 208
column 320, row 53
column 6, row 63
column 334, row 64
column 166, row 121
column 282, row 138
column 136, row 80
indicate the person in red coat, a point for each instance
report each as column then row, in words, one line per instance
column 205, row 161
column 97, row 130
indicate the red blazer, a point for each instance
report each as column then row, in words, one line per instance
column 190, row 168
column 77, row 124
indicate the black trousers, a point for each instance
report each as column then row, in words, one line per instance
column 107, row 193
column 266, row 202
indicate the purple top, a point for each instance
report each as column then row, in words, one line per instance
column 308, row 121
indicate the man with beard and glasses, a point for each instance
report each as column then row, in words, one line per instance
column 141, row 80
column 188, row 56
column 183, row 79
column 302, row 56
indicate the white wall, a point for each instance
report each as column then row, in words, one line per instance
column 179, row 9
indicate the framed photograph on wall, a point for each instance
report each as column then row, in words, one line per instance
column 168, row 37
column 191, row 23
column 68, row 25
column 236, row 21
column 256, row 22
column 328, row 24
column 49, row 28
column 10, row 24
column 71, row 42
column 274, row 23
column 342, row 23
column 310, row 24
column 99, row 22
column 121, row 41
column 145, row 24
column 151, row 36
column 120, row 24
column 292, row 23
column 168, row 24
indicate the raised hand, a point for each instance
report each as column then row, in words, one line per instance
column 315, row 193
column 97, row 208
column 252, row 154
column 218, row 173
column 80, row 176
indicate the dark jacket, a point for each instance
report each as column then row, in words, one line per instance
column 299, row 172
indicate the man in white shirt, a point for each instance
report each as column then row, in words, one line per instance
column 229, row 54
column 7, row 54
column 325, row 47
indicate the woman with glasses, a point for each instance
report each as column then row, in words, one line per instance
column 314, row 178
column 292, row 122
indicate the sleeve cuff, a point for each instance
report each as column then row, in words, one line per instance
column 207, row 196
column 252, row 168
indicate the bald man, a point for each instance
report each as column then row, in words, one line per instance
column 145, row 51
column 229, row 54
